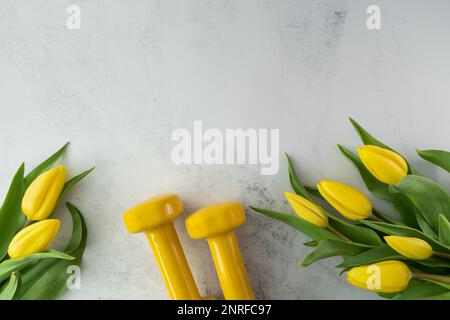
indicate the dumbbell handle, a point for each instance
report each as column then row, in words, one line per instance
column 230, row 267
column 172, row 263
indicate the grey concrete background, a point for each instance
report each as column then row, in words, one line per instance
column 137, row 70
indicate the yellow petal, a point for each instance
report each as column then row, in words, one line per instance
column 388, row 276
column 42, row 195
column 348, row 201
column 385, row 165
column 413, row 248
column 34, row 238
column 307, row 210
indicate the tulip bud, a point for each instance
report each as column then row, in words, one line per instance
column 385, row 165
column 34, row 238
column 42, row 195
column 307, row 210
column 413, row 248
column 388, row 276
column 348, row 201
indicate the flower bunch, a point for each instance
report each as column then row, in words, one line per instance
column 401, row 255
column 28, row 269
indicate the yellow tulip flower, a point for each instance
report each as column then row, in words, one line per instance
column 413, row 248
column 387, row 276
column 307, row 210
column 42, row 195
column 348, row 201
column 385, row 165
column 34, row 238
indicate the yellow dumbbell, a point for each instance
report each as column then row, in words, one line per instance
column 217, row 223
column 155, row 217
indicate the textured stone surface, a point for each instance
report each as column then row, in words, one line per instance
column 137, row 70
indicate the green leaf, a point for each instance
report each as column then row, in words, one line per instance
column 304, row 226
column 312, row 190
column 367, row 138
column 48, row 279
column 11, row 212
column 10, row 265
column 72, row 182
column 418, row 289
column 427, row 196
column 381, row 190
column 405, row 231
column 79, row 233
column 406, row 209
column 295, row 183
column 424, row 226
column 356, row 233
column 384, row 252
column 331, row 248
column 9, row 291
column 387, row 295
column 438, row 157
column 439, row 283
column 312, row 243
column 382, row 216
column 441, row 296
column 444, row 230
column 44, row 166
column 380, row 253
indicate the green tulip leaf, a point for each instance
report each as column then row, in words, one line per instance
column 441, row 296
column 403, row 205
column 423, row 290
column 424, row 226
column 387, row 295
column 44, row 166
column 432, row 263
column 380, row 253
column 439, row 283
column 10, row 290
column 10, row 265
column 72, row 182
column 48, row 279
column 444, row 230
column 384, row 252
column 384, row 217
column 367, row 138
column 304, row 226
column 333, row 247
column 312, row 243
column 11, row 213
column 295, row 182
column 312, row 190
column 354, row 232
column 427, row 196
column 404, row 231
column 438, row 157
column 406, row 209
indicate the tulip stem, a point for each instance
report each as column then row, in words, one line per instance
column 441, row 254
column 340, row 235
column 432, row 277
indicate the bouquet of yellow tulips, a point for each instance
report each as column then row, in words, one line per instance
column 406, row 256
column 28, row 269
